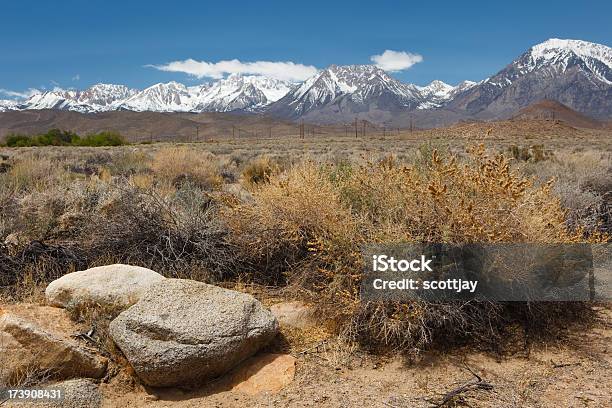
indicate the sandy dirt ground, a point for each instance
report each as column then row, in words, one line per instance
column 573, row 371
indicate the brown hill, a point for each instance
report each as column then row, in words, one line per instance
column 553, row 110
column 144, row 126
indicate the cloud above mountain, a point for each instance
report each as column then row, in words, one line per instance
column 284, row 70
column 17, row 94
column 395, row 61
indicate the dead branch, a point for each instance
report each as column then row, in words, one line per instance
column 476, row 383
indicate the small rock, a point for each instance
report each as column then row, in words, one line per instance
column 36, row 340
column 112, row 285
column 293, row 314
column 184, row 332
column 267, row 373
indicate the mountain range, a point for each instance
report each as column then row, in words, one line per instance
column 573, row 72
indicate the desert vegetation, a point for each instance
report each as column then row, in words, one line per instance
column 58, row 137
column 297, row 222
column 286, row 221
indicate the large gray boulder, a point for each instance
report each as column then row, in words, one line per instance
column 111, row 285
column 184, row 332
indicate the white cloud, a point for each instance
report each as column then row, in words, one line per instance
column 286, row 70
column 394, row 61
column 19, row 95
column 76, row 77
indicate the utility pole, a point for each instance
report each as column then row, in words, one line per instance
column 302, row 129
column 356, row 134
column 233, row 131
column 197, row 133
column 363, row 129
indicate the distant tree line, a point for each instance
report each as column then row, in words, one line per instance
column 57, row 137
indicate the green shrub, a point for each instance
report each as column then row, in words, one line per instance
column 19, row 141
column 57, row 137
column 102, row 139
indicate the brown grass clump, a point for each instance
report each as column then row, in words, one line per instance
column 178, row 165
column 307, row 226
column 33, row 173
column 260, row 170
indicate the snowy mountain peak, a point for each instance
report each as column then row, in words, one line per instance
column 575, row 73
column 102, row 95
column 552, row 48
column 559, row 55
column 161, row 97
column 354, row 84
column 436, row 87
column 7, row 104
column 437, row 93
column 238, row 92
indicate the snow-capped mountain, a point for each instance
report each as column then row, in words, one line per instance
column 104, row 95
column 572, row 72
column 248, row 93
column 7, row 104
column 347, row 89
column 438, row 93
column 97, row 98
column 575, row 73
column 561, row 55
column 236, row 92
column 162, row 97
column 55, row 99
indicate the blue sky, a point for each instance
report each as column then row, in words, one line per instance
column 79, row 43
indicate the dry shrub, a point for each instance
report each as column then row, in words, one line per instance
column 534, row 153
column 127, row 163
column 32, row 172
column 308, row 226
column 260, row 170
column 8, row 208
column 291, row 216
column 178, row 165
column 177, row 235
column 584, row 185
column 24, row 271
